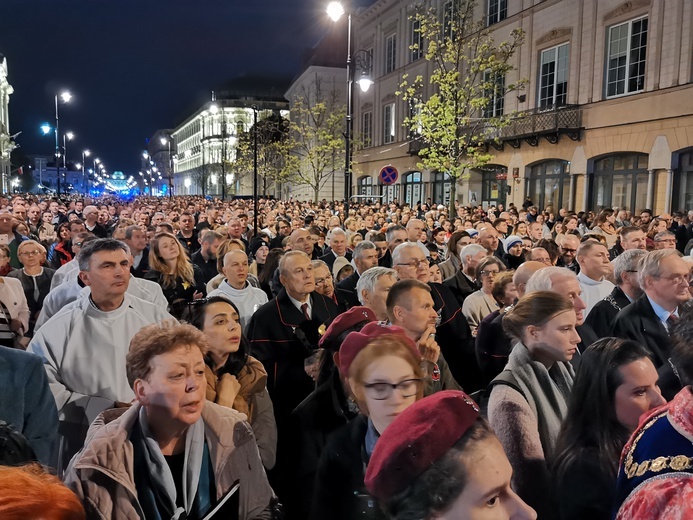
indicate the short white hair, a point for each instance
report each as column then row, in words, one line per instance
column 626, row 261
column 370, row 277
column 471, row 250
column 650, row 264
column 399, row 250
column 544, row 279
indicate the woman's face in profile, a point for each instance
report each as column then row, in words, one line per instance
column 487, row 494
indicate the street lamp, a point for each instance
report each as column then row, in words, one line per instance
column 65, row 97
column 169, row 167
column 68, row 136
column 362, row 59
column 85, row 178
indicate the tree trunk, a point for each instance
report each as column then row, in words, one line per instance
column 453, row 198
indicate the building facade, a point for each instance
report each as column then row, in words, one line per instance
column 6, row 143
column 606, row 119
column 205, row 143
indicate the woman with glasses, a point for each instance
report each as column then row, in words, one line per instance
column 382, row 368
column 481, row 303
column 180, row 279
column 36, row 279
column 234, row 378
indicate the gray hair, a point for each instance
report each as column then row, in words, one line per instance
column 94, row 246
column 370, row 277
column 337, row 231
column 397, row 253
column 650, row 264
column 390, row 233
column 662, row 235
column 626, row 261
column 470, row 250
column 544, row 279
column 287, row 255
column 320, row 263
column 361, row 247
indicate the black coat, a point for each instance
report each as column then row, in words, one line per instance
column 639, row 322
column 601, row 317
column 329, row 258
column 347, row 289
column 461, row 286
column 455, row 338
column 340, row 493
column 191, row 244
column 143, row 268
column 99, row 231
column 311, row 423
column 492, row 346
column 281, row 338
column 208, row 267
column 179, row 294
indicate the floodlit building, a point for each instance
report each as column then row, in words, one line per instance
column 6, row 143
column 606, row 119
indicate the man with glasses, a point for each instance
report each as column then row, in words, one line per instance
column 664, row 278
column 324, row 284
column 365, row 257
column 453, row 333
column 567, row 248
column 664, row 240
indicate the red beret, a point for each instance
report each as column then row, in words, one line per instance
column 417, row 438
column 355, row 342
column 342, row 323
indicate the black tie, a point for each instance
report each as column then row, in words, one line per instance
column 304, row 308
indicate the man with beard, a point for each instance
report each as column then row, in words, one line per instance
column 567, row 248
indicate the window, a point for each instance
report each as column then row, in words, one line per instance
column 494, row 92
column 367, row 129
column 626, row 58
column 389, row 123
column 449, row 12
column 416, row 41
column 548, row 184
column 620, row 180
column 553, row 77
column 415, row 125
column 497, row 11
column 390, row 51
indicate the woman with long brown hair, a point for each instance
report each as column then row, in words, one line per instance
column 180, row 280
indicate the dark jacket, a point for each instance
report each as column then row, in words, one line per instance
column 281, row 339
column 601, row 317
column 455, row 338
column 347, row 288
column 99, row 230
column 461, row 286
column 43, row 282
column 340, row 493
column 208, row 267
column 143, row 267
column 192, row 244
column 179, row 294
column 492, row 346
column 639, row 322
column 311, row 423
column 329, row 258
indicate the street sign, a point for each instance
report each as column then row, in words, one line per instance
column 388, row 175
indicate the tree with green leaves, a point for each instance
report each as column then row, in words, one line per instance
column 315, row 136
column 272, row 131
column 464, row 108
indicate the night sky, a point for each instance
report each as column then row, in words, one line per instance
column 135, row 66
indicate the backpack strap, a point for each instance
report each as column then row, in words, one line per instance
column 506, row 378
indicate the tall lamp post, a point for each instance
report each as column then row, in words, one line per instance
column 67, row 136
column 65, row 97
column 85, row 177
column 364, row 60
column 169, row 167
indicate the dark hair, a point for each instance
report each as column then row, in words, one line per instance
column 196, row 314
column 94, row 246
column 271, row 265
column 591, row 424
column 551, row 248
column 682, row 341
column 439, row 486
column 452, row 242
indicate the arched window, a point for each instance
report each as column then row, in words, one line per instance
column 413, row 188
column 441, row 188
column 548, row 184
column 620, row 180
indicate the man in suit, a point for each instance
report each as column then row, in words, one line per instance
column 463, row 283
column 338, row 247
column 365, row 257
column 136, row 239
column 601, row 317
column 663, row 276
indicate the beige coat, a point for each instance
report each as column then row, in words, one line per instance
column 102, row 473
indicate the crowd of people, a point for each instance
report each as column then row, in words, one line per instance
column 187, row 358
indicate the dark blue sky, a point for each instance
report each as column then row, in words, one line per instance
column 134, row 66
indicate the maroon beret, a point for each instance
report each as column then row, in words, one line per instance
column 342, row 323
column 417, row 438
column 355, row 342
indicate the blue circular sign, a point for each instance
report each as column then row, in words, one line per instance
column 388, row 175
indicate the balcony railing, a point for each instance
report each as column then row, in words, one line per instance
column 529, row 126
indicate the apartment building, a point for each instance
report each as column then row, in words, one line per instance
column 606, row 118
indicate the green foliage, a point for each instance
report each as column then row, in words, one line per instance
column 315, row 138
column 460, row 109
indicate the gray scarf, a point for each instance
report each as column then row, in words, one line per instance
column 160, row 473
column 546, row 391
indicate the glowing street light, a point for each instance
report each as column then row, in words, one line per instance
column 65, row 97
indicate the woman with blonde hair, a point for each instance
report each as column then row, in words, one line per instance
column 382, row 368
column 180, row 280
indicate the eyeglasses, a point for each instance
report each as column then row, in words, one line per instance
column 486, row 273
column 414, row 264
column 323, row 281
column 78, row 244
column 30, row 253
column 677, row 279
column 382, row 391
column 568, row 250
